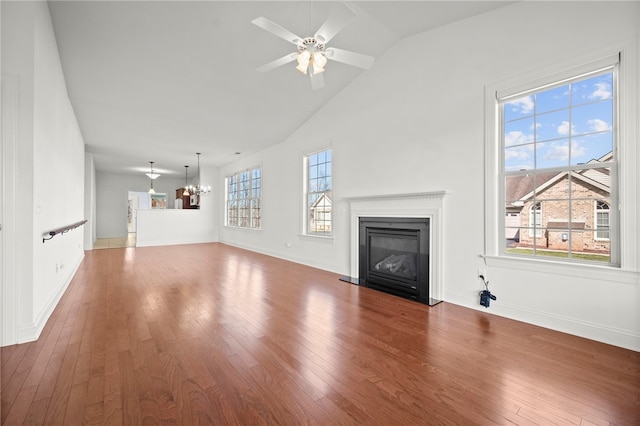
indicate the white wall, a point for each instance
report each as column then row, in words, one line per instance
column 175, row 226
column 415, row 123
column 50, row 173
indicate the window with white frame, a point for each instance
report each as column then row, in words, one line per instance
column 557, row 155
column 318, row 193
column 602, row 220
column 243, row 199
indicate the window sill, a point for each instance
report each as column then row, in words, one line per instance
column 580, row 270
column 317, row 238
column 242, row 228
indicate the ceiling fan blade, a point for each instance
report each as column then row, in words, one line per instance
column 276, row 29
column 317, row 81
column 352, row 58
column 278, row 62
column 336, row 22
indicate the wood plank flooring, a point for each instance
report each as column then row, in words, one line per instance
column 119, row 242
column 211, row 334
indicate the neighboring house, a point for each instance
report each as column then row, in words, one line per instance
column 320, row 211
column 538, row 212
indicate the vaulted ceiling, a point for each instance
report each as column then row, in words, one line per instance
column 162, row 80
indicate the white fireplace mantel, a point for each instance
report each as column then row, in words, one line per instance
column 416, row 205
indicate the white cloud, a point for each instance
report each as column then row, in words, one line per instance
column 557, row 153
column 516, row 137
column 577, row 150
column 603, row 91
column 561, row 152
column 522, row 105
column 565, row 128
column 598, row 125
column 516, row 154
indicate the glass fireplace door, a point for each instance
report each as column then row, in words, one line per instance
column 394, row 254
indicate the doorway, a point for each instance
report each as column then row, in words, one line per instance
column 133, row 205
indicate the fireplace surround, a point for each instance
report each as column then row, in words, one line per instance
column 422, row 205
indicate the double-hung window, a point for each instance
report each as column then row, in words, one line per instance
column 318, row 191
column 243, row 199
column 558, row 167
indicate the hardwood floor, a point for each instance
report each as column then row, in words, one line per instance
column 211, row 334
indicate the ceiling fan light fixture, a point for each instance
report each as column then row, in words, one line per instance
column 312, row 51
column 303, row 61
column 318, row 61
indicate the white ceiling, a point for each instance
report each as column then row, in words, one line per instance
column 161, row 80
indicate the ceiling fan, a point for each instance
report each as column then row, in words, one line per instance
column 312, row 52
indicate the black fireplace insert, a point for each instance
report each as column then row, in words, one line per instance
column 394, row 256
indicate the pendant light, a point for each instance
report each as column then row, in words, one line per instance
column 152, row 176
column 186, row 185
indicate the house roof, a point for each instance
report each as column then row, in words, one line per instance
column 521, row 187
column 517, row 187
column 321, row 201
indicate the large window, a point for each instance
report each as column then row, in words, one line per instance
column 318, row 193
column 243, row 199
column 557, row 160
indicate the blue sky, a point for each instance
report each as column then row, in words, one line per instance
column 560, row 126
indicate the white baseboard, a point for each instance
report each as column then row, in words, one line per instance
column 577, row 327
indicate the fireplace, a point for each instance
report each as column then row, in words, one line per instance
column 394, row 256
column 427, row 207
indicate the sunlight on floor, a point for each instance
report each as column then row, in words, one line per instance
column 104, row 243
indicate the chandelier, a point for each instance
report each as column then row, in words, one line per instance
column 152, row 176
column 198, row 188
